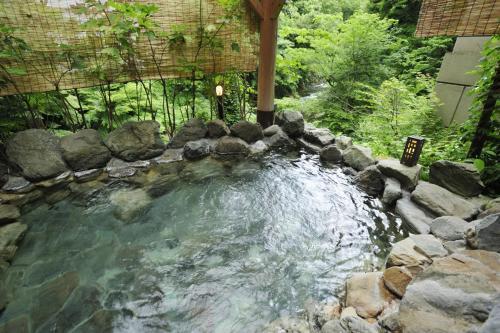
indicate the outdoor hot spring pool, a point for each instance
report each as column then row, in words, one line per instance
column 220, row 250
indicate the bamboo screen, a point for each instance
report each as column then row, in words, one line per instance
column 459, row 18
column 48, row 25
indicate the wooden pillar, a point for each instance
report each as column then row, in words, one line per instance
column 268, row 12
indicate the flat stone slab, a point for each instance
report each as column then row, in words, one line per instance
column 417, row 219
column 407, row 176
column 17, row 185
column 403, row 253
column 392, row 191
column 9, row 213
column 318, row 136
column 310, row 147
column 442, row 202
column 10, row 235
column 428, row 245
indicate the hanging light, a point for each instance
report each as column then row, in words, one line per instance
column 219, row 91
column 413, row 148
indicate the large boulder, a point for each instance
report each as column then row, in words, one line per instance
column 454, row 294
column 136, row 141
column 194, row 129
column 331, row 154
column 371, row 180
column 358, row 157
column 492, row 325
column 367, row 293
column 428, row 245
column 37, row 153
column 407, row 176
column 245, row 130
column 318, row 136
column 280, row 140
column 217, row 128
column 85, row 150
column 292, row 123
column 271, row 130
column 415, row 218
column 231, row 146
column 460, row 178
column 442, row 202
column 392, row 191
column 485, row 234
column 449, row 228
column 195, row 150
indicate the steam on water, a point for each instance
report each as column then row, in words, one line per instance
column 221, row 251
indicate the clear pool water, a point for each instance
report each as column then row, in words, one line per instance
column 223, row 250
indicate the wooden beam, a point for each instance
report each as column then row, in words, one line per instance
column 257, row 7
column 267, row 59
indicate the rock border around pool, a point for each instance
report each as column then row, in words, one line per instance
column 448, row 227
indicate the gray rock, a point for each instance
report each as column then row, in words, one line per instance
column 17, row 185
column 389, row 319
column 350, row 324
column 492, row 324
column 454, row 294
column 195, row 150
column 37, row 153
column 392, row 191
column 371, row 180
column 9, row 213
column 320, row 313
column 250, row 132
column 455, row 246
column 417, row 219
column 84, row 150
column 136, row 141
column 287, row 325
column 442, row 202
column 258, row 148
column 428, row 245
column 309, row 147
column 449, row 228
column 10, row 235
column 59, row 181
column 217, row 128
column 194, row 129
column 407, row 176
column 231, row 146
column 343, row 142
column 485, row 234
column 331, row 154
column 358, row 157
column 460, row 178
column 271, row 130
column 291, row 122
column 87, row 175
column 318, row 136
column 117, row 168
column 279, row 141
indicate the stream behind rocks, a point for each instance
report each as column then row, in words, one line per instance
column 224, row 250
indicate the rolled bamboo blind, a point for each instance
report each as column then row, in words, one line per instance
column 46, row 25
column 459, row 18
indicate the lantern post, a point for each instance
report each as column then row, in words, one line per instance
column 413, row 149
column 219, row 92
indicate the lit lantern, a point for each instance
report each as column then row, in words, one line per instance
column 413, row 148
column 219, row 91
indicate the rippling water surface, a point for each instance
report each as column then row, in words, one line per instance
column 221, row 251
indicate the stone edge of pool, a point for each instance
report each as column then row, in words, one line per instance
column 444, row 277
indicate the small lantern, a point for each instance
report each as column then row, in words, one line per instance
column 413, row 148
column 219, row 91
